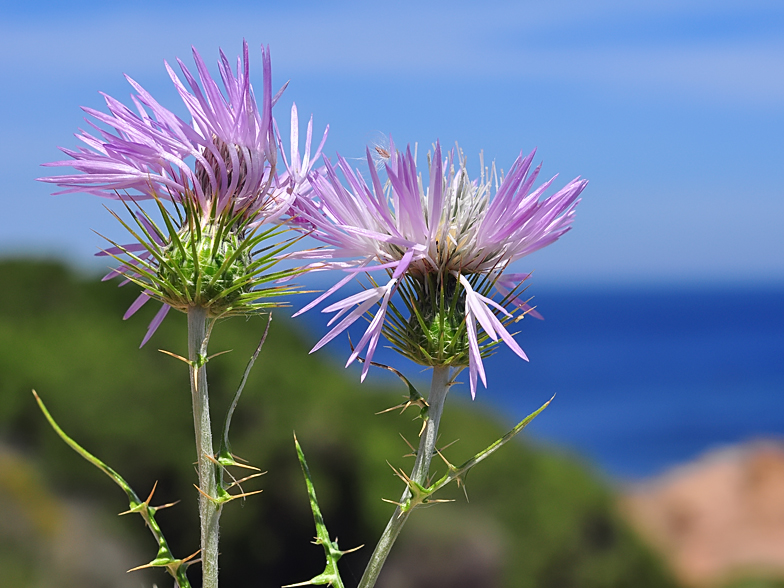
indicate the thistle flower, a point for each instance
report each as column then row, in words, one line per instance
column 296, row 178
column 445, row 247
column 214, row 181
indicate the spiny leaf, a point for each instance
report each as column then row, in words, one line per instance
column 330, row 576
column 164, row 558
column 458, row 473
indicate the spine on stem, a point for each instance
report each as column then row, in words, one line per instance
column 439, row 387
column 209, row 509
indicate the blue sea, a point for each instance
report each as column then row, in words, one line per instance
column 644, row 379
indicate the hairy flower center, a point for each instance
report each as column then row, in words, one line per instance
column 220, row 164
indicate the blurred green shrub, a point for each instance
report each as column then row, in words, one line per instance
column 536, row 519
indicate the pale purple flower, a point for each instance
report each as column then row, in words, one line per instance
column 219, row 169
column 224, row 158
column 296, row 178
column 449, row 231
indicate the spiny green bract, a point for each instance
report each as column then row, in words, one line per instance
column 222, row 262
column 435, row 333
column 208, row 269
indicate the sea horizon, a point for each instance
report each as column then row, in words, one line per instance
column 645, row 376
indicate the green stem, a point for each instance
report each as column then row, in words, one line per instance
column 209, row 511
column 439, row 387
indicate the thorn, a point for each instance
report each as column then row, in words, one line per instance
column 154, row 486
column 391, row 408
column 244, row 495
column 245, row 479
column 454, row 381
column 176, row 502
column 217, row 354
column 392, row 502
column 244, row 463
column 241, row 465
column 413, row 449
column 446, row 461
column 191, row 556
column 175, row 356
column 203, row 493
column 449, row 444
column 137, row 568
column 352, row 550
column 405, row 477
column 420, row 402
column 224, row 463
column 400, row 474
column 235, row 482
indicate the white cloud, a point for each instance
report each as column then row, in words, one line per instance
column 501, row 41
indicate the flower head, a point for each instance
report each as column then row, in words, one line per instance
column 445, row 245
column 218, row 173
column 224, row 158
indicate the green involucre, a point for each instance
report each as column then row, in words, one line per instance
column 205, row 267
column 435, row 331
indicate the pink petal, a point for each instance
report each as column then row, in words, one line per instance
column 155, row 323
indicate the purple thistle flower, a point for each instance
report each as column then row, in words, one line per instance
column 220, row 174
column 444, row 245
column 149, row 153
column 296, row 178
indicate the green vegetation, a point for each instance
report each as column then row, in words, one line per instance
column 535, row 519
column 754, row 582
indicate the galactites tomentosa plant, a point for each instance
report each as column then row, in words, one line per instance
column 222, row 200
column 446, row 246
column 219, row 177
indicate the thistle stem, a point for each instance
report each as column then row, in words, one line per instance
column 439, row 387
column 209, row 511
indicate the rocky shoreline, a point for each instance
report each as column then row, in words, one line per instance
column 718, row 518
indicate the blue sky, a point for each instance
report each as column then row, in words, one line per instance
column 674, row 110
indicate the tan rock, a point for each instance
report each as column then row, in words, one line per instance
column 719, row 517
